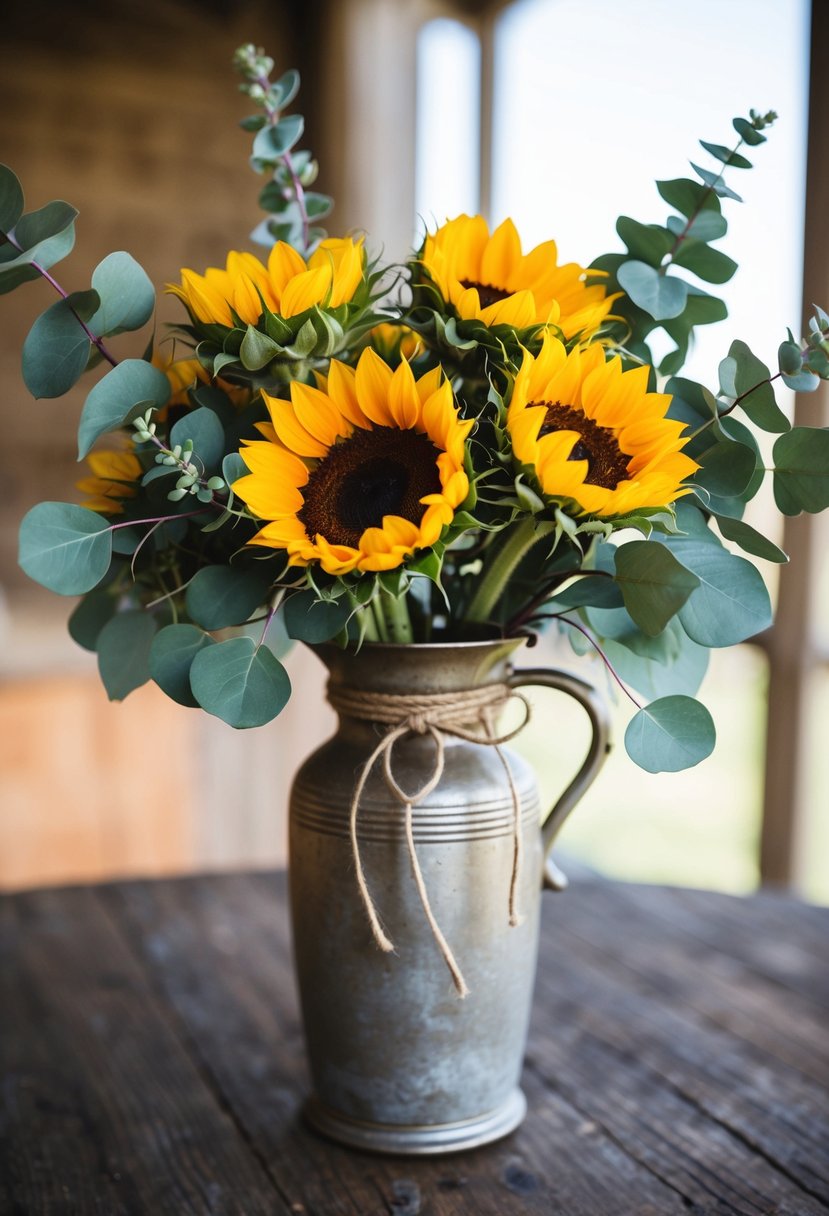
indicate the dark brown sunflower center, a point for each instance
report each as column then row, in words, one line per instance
column 371, row 474
column 607, row 464
column 487, row 293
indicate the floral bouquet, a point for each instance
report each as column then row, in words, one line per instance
column 475, row 444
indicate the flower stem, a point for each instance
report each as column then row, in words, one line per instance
column 394, row 610
column 518, row 542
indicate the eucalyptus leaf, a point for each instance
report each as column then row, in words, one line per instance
column 171, row 657
column 127, row 295
column 727, row 466
column 801, row 382
column 670, row 734
column 714, row 181
column 65, row 547
column 123, row 393
column 220, row 596
column 727, row 155
column 648, row 242
column 590, row 591
column 661, row 296
column 707, row 263
column 124, row 652
column 56, row 350
column 750, row 380
column 749, row 539
column 801, row 470
column 687, row 196
column 90, row 615
column 11, row 199
column 705, row 226
column 680, row 671
column 240, row 683
column 205, row 431
column 308, row 619
column 653, row 583
column 747, row 132
column 37, row 227
column 731, row 602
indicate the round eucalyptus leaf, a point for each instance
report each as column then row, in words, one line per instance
column 731, row 602
column 801, row 470
column 308, row 619
column 56, row 350
column 38, row 226
column 65, row 547
column 670, row 734
column 653, row 583
column 127, row 295
column 90, row 616
column 659, row 295
column 240, row 683
column 124, row 652
column 171, row 656
column 123, row 393
column 203, row 428
column 220, row 596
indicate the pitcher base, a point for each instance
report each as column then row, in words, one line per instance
column 418, row 1139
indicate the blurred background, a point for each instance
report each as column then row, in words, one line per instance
column 560, row 113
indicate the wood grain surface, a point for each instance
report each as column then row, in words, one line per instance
column 152, row 1062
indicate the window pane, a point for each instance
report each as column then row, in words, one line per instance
column 448, row 123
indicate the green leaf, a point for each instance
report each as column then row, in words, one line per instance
column 308, row 619
column 706, row 226
column 707, row 263
column 220, row 596
column 286, row 89
column 715, row 182
column 727, row 155
column 744, row 373
column 789, row 358
column 802, row 382
column 661, row 296
column 670, row 734
column 654, row 584
column 56, row 349
column 257, row 349
column 90, row 616
column 273, row 142
column 11, row 199
column 65, row 547
column 801, row 470
column 243, row 685
column 124, row 652
column 731, row 602
column 749, row 539
column 317, row 206
column 123, row 393
column 207, row 434
column 234, row 467
column 680, row 670
column 127, row 295
column 171, row 657
column 747, row 132
column 591, row 591
column 648, row 242
column 687, row 196
column 20, row 269
column 37, row 227
column 727, row 467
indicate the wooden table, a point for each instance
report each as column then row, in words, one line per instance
column 153, row 1062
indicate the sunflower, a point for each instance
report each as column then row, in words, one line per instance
column 488, row 278
column 288, row 285
column 358, row 474
column 593, row 433
column 114, row 477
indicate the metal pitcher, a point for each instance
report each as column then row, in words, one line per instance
column 399, row 1063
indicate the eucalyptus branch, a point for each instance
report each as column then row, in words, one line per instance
column 565, row 620
column 180, row 456
column 44, row 273
column 527, row 614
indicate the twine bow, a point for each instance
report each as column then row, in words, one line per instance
column 438, row 715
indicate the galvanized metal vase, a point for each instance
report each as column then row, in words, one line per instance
column 399, row 1063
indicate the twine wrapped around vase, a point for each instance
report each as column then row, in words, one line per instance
column 438, row 715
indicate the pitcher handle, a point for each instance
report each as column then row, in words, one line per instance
column 594, row 704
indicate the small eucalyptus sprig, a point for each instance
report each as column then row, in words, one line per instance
column 293, row 207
